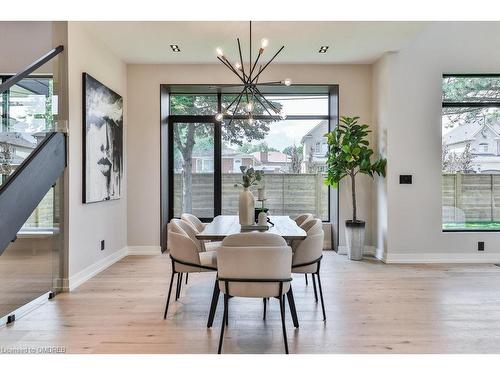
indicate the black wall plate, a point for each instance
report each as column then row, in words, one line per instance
column 405, row 179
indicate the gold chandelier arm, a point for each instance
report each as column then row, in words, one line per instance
column 267, row 101
column 262, row 104
column 269, row 62
column 234, row 100
column 247, row 78
column 237, row 105
column 230, row 68
column 255, row 63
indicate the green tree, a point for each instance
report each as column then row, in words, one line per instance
column 296, row 156
column 454, row 162
column 470, row 89
column 248, row 148
column 187, row 135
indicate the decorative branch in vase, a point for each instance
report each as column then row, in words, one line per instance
column 246, row 203
column 348, row 155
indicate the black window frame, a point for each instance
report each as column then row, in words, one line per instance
column 456, row 104
column 167, row 151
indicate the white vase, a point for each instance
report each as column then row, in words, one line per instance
column 246, row 207
column 262, row 218
column 355, row 237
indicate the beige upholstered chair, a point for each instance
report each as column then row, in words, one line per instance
column 186, row 256
column 255, row 265
column 194, row 221
column 301, row 219
column 198, row 227
column 307, row 254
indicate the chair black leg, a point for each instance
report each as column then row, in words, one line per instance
column 179, row 286
column 187, row 274
column 307, row 282
column 314, row 286
column 321, row 295
column 213, row 306
column 282, row 308
column 293, row 310
column 224, row 318
column 168, row 297
column 265, row 308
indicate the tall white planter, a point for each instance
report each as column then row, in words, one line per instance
column 246, row 207
column 355, row 238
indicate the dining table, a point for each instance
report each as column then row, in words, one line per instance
column 225, row 225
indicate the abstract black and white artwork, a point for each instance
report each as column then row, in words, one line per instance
column 102, row 141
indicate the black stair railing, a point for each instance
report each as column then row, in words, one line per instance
column 30, row 69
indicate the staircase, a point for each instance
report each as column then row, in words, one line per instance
column 28, row 263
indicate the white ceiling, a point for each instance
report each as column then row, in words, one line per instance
column 350, row 42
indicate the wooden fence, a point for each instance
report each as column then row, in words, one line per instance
column 288, row 194
column 471, row 197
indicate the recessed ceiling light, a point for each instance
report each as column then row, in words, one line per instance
column 175, row 48
column 323, row 49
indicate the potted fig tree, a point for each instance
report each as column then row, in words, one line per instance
column 349, row 154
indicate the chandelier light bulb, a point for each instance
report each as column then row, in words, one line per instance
column 250, row 120
column 219, row 117
column 264, row 43
column 282, row 114
column 249, row 107
column 220, row 52
column 287, row 82
column 237, row 66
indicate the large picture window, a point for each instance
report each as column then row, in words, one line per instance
column 206, row 156
column 471, row 153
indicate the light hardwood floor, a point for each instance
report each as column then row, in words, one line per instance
column 371, row 308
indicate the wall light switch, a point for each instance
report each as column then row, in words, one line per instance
column 405, row 178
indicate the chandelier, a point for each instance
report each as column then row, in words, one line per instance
column 250, row 92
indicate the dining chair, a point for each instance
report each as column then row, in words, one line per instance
column 198, row 226
column 301, row 219
column 307, row 255
column 254, row 265
column 194, row 221
column 186, row 257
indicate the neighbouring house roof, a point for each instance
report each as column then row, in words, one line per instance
column 16, row 139
column 272, row 157
column 322, row 125
column 467, row 132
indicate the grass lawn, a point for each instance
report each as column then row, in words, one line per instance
column 473, row 225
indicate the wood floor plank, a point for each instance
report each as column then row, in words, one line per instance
column 371, row 308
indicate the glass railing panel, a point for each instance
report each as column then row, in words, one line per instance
column 30, row 266
column 28, row 113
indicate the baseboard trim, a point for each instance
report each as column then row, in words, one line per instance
column 87, row 273
column 417, row 258
column 25, row 309
column 143, row 250
column 380, row 254
column 368, row 250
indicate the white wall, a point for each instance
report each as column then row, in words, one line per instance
column 144, row 131
column 409, row 109
column 22, row 43
column 88, row 224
